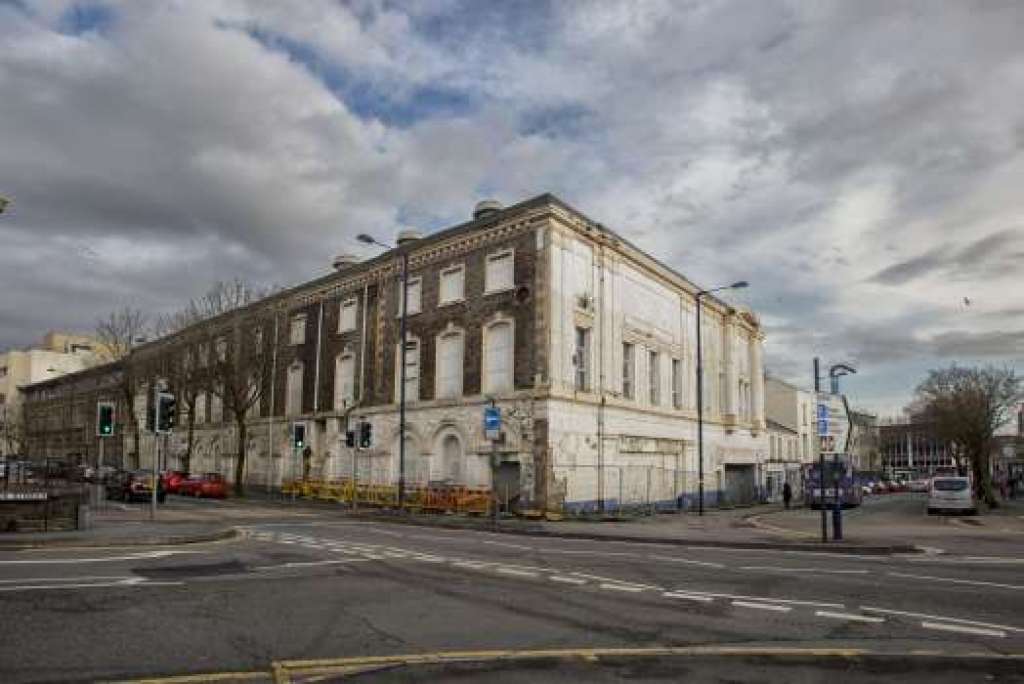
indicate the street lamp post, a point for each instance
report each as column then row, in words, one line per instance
column 700, row 394
column 403, row 334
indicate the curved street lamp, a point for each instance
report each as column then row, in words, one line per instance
column 738, row 285
column 370, row 240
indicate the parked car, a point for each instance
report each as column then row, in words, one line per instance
column 951, row 494
column 172, row 480
column 921, row 485
column 135, row 485
column 880, row 487
column 207, row 485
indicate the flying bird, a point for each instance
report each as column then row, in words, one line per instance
column 967, row 301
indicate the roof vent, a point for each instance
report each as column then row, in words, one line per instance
column 407, row 236
column 343, row 261
column 487, row 207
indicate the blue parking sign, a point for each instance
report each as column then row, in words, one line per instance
column 492, row 419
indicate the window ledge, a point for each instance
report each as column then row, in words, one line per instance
column 508, row 288
column 451, row 302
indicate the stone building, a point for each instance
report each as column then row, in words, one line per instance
column 584, row 342
column 792, row 435
column 57, row 354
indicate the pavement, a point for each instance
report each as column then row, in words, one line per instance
column 300, row 589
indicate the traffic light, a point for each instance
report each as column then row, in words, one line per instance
column 350, row 438
column 365, row 435
column 166, row 412
column 298, row 435
column 105, row 419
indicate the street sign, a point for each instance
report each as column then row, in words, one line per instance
column 492, row 422
column 833, row 423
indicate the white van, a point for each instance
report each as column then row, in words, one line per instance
column 951, row 494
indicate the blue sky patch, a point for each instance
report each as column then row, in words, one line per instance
column 85, row 18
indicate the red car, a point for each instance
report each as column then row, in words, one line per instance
column 208, row 485
column 172, row 481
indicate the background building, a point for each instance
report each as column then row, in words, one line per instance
column 57, row 354
column 791, row 412
column 585, row 343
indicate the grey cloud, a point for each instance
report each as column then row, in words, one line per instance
column 904, row 271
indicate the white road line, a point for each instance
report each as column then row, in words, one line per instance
column 516, row 572
column 614, row 580
column 585, row 552
column 472, row 565
column 763, row 606
column 129, row 582
column 954, row 580
column 924, row 616
column 567, row 580
column 687, row 561
column 86, row 578
column 814, row 570
column 963, row 630
column 507, row 545
column 766, row 599
column 688, row 597
column 68, row 561
column 373, row 556
column 852, row 617
column 632, row 588
column 429, row 559
column 311, row 564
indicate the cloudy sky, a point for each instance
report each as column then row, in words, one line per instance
column 860, row 163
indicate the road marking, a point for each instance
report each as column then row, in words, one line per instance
column 767, row 599
column 688, row 597
column 472, row 565
column 98, row 578
column 962, row 629
column 763, row 606
column 688, row 561
column 128, row 582
column 567, row 580
column 507, row 545
column 107, row 559
column 887, row 611
column 373, row 556
column 853, row 617
column 621, row 587
column 814, row 570
column 428, row 559
column 613, row 580
column 313, row 564
column 517, row 572
column 954, row 580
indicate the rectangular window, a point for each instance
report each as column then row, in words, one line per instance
column 297, row 334
column 293, row 392
column 344, row 381
column 449, row 366
column 499, row 274
column 412, row 371
column 498, row 359
column 415, row 290
column 654, row 378
column 453, row 284
column 200, row 408
column 581, row 359
column 677, row 383
column 347, row 316
column 216, row 406
column 628, row 371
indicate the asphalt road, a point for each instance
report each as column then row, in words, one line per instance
column 319, row 587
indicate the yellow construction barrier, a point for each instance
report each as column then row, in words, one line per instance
column 434, row 498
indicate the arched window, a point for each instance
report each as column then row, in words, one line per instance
column 293, row 395
column 498, row 357
column 451, row 453
column 344, row 381
column 449, row 365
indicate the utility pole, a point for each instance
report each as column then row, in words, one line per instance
column 821, row 454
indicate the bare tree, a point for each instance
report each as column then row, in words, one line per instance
column 118, row 333
column 241, row 361
column 13, row 429
column 967, row 406
column 240, row 355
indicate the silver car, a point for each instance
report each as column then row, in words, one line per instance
column 952, row 495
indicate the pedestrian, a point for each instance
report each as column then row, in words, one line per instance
column 787, row 494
